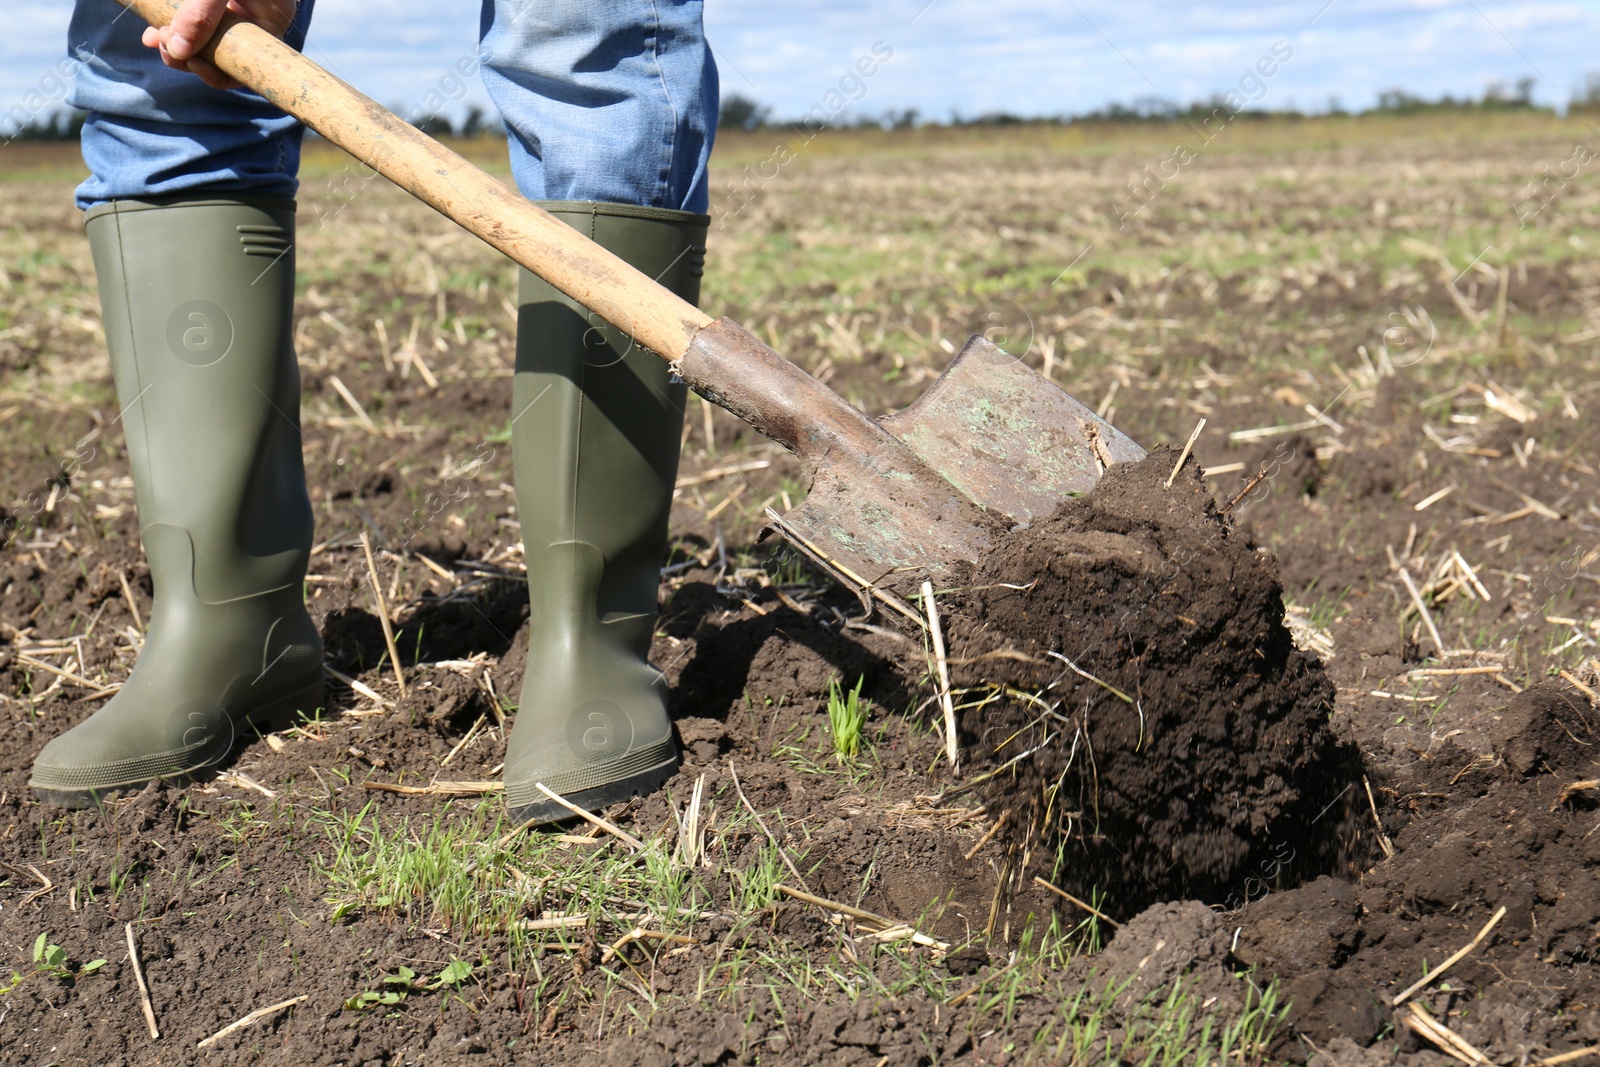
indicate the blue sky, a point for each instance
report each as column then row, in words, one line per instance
column 1033, row 57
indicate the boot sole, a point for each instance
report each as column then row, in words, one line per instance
column 642, row 783
column 278, row 714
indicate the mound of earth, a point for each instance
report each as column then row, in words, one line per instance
column 1153, row 729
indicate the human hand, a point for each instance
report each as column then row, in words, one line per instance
column 196, row 20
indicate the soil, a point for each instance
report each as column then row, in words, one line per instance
column 1472, row 828
column 1472, row 833
column 1269, row 648
column 1172, row 740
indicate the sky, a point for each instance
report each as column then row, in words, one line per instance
column 970, row 57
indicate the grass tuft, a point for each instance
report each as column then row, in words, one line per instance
column 847, row 715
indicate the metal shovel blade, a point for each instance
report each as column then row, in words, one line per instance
column 1008, row 438
column 990, row 445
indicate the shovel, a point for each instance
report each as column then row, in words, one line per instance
column 894, row 501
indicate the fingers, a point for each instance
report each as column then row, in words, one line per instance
column 197, row 65
column 194, row 23
column 191, row 28
column 210, row 74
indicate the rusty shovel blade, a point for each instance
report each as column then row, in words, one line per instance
column 991, row 445
column 1011, row 440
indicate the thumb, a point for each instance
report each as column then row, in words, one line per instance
column 192, row 26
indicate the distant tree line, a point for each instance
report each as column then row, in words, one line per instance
column 475, row 122
column 1587, row 99
column 739, row 112
column 742, row 113
column 1497, row 97
column 64, row 124
column 60, row 125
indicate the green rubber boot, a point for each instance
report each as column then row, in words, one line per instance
column 197, row 298
column 595, row 432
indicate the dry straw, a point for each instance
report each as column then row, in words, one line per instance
column 383, row 615
column 951, row 746
column 144, row 990
column 1188, row 445
column 255, row 1016
column 1433, row 975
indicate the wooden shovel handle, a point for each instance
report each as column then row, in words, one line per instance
column 455, row 188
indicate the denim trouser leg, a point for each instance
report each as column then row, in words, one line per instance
column 614, row 101
column 611, row 101
column 154, row 131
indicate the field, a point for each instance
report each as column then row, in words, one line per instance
column 1389, row 327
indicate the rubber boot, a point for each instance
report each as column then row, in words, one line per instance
column 197, row 301
column 595, row 433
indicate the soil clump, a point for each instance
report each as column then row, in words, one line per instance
column 1152, row 726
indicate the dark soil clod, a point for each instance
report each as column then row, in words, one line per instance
column 1198, row 755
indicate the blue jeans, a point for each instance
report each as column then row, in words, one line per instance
column 611, row 101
